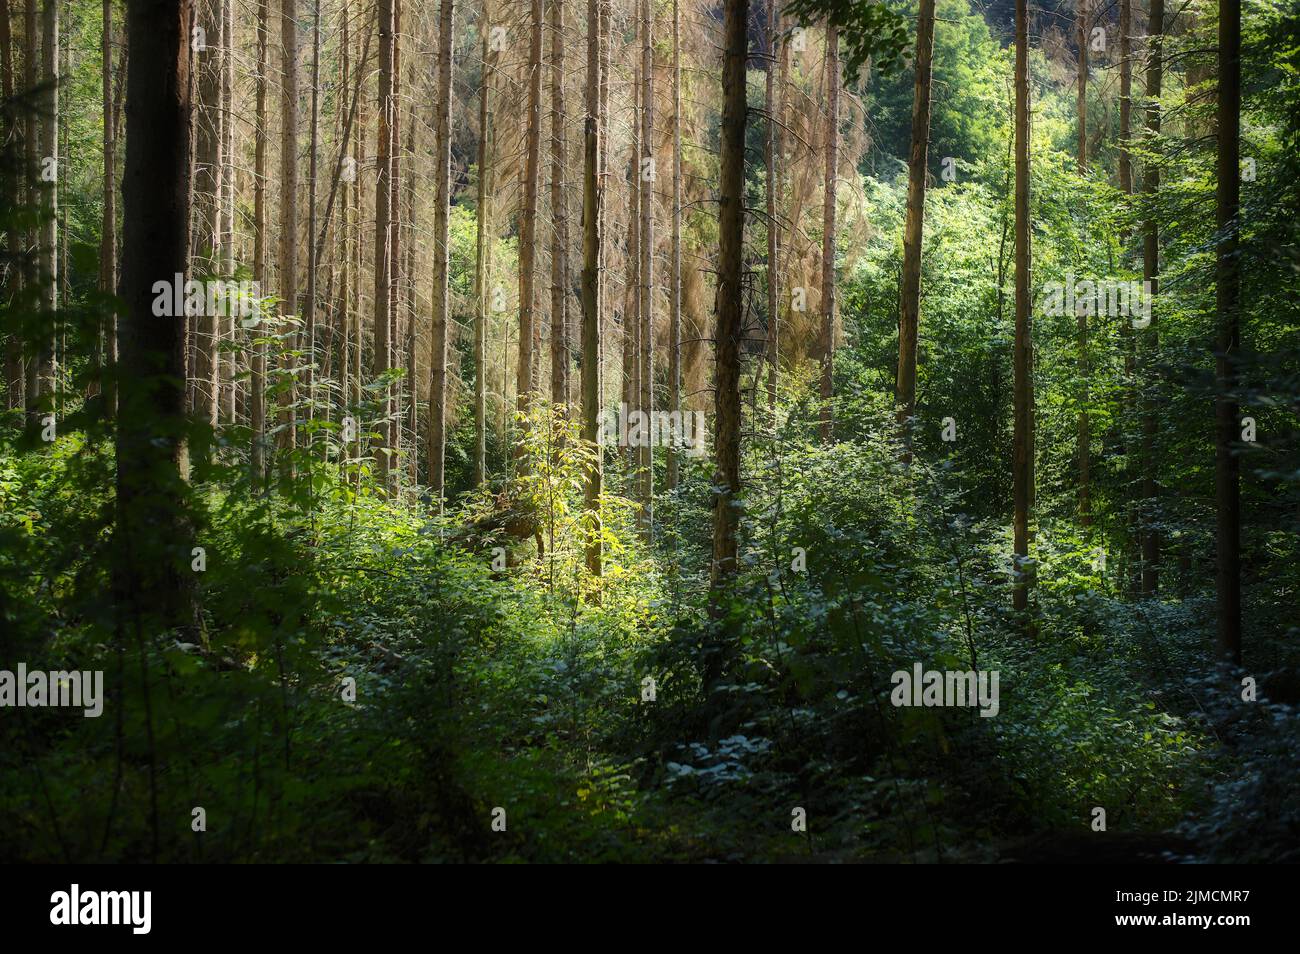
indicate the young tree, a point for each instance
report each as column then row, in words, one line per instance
column 1227, row 479
column 441, row 252
column 914, row 224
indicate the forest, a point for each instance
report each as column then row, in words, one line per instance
column 589, row 431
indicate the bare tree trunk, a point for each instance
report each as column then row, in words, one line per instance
column 31, row 189
column 1151, row 274
column 632, row 296
column 829, row 226
column 646, row 336
column 731, row 244
column 289, row 203
column 561, row 351
column 1023, row 446
column 1084, row 425
column 152, row 539
column 9, row 136
column 773, row 155
column 675, row 263
column 591, row 356
column 108, row 234
column 914, row 226
column 485, row 159
column 257, row 387
column 441, row 251
column 231, row 324
column 41, row 372
column 383, row 356
column 205, row 214
column 1227, row 478
column 526, row 384
column 309, row 308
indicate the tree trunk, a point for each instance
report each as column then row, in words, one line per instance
column 230, row 326
column 108, row 233
column 526, row 385
column 152, row 539
column 441, row 252
column 41, row 371
column 9, row 136
column 1151, row 274
column 257, row 387
column 485, row 159
column 1084, row 425
column 773, row 155
column 289, row 204
column 383, row 355
column 646, row 335
column 205, row 218
column 309, row 306
column 675, row 262
column 1227, row 478
column 914, row 226
column 560, row 348
column 731, row 244
column 1023, row 447
column 828, row 227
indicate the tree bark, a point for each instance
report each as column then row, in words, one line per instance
column 441, row 252
column 257, row 387
column 485, row 160
column 152, row 538
column 560, row 348
column 1084, row 439
column 914, row 226
column 646, row 335
column 526, row 384
column 731, row 243
column 1227, row 479
column 828, row 228
column 383, row 354
column 289, row 204
column 675, row 262
column 108, row 233
column 1151, row 274
column 1023, row 447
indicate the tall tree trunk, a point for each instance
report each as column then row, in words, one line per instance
column 1151, row 274
column 1227, row 478
column 632, row 297
column 1084, row 425
column 441, row 252
column 227, row 237
column 108, row 233
column 829, row 226
column 675, row 261
column 1023, row 446
column 526, row 383
column 309, row 306
column 9, row 136
column 487, row 64
column 289, row 203
column 646, row 182
column 383, row 356
column 31, row 189
column 41, row 379
column 152, row 539
column 1125, row 96
column 257, row 387
column 731, row 244
column 560, row 348
column 591, row 339
column 914, row 226
column 773, row 155
column 205, row 219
